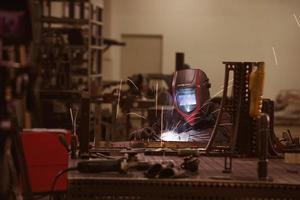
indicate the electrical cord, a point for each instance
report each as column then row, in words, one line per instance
column 38, row 197
column 58, row 175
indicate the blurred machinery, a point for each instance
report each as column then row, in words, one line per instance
column 68, row 55
column 12, row 161
column 15, row 101
column 287, row 107
column 69, row 45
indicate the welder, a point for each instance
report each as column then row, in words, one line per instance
column 194, row 114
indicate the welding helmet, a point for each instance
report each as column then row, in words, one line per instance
column 190, row 88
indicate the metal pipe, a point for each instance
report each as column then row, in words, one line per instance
column 84, row 128
column 263, row 123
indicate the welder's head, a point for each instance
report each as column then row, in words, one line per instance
column 190, row 88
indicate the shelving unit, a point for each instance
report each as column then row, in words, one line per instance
column 70, row 44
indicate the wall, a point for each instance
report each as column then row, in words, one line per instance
column 212, row 31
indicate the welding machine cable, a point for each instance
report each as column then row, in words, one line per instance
column 56, row 178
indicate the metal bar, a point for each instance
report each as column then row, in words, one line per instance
column 57, row 20
column 263, row 123
column 96, row 47
column 227, row 164
column 236, row 119
column 84, row 128
column 71, row 9
column 179, row 61
column 219, row 117
column 95, row 22
column 90, row 52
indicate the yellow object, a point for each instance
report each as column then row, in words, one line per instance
column 23, row 56
column 27, row 120
column 256, row 89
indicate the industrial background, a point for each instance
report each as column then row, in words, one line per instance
column 149, row 99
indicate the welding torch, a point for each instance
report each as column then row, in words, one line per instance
column 121, row 165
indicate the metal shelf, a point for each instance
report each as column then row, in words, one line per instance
column 95, row 2
column 66, row 62
column 67, row 46
column 61, row 40
column 96, row 47
column 60, row 94
column 95, row 75
column 56, row 20
column 95, row 22
column 62, row 29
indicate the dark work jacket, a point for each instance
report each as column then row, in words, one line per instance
column 201, row 131
column 203, row 126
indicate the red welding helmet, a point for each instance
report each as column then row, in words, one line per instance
column 190, row 88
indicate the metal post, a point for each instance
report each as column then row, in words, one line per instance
column 179, row 61
column 263, row 123
column 227, row 164
column 84, row 128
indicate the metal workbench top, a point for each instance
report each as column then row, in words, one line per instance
column 210, row 182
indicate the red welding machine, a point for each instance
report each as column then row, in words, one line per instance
column 45, row 156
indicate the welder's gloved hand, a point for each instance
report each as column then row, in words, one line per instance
column 147, row 133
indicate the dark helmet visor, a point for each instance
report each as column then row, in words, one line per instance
column 186, row 99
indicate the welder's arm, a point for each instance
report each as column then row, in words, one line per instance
column 205, row 134
column 147, row 133
column 223, row 131
column 199, row 135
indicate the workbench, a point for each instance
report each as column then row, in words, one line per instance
column 209, row 183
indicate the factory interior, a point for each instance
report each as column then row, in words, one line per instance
column 149, row 99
